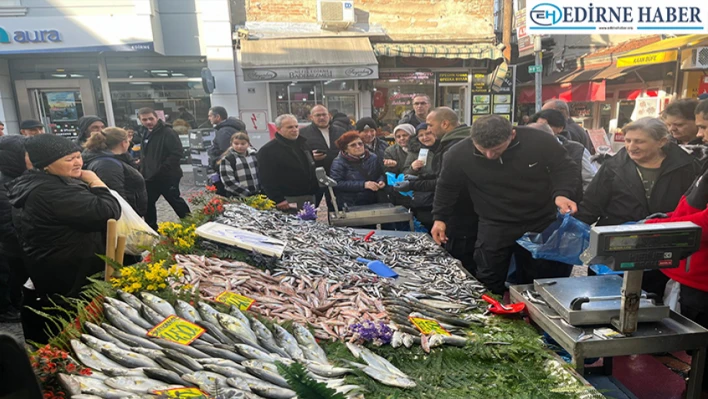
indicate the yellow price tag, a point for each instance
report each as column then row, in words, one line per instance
column 177, row 329
column 240, row 301
column 182, row 393
column 427, row 326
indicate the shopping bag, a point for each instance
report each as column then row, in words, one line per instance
column 672, row 292
column 563, row 241
column 138, row 234
column 392, row 179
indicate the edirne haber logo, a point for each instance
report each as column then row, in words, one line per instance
column 614, row 17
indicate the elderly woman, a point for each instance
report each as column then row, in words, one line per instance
column 395, row 155
column 60, row 212
column 106, row 155
column 649, row 175
column 358, row 172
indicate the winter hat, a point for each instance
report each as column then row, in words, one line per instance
column 12, row 155
column 422, row 126
column 30, row 124
column 84, row 122
column 366, row 123
column 44, row 149
column 703, row 96
column 406, row 127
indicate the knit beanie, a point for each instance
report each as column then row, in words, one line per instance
column 406, row 127
column 44, row 149
column 84, row 122
column 422, row 126
column 366, row 123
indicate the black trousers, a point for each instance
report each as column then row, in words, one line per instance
column 12, row 277
column 496, row 243
column 462, row 249
column 168, row 188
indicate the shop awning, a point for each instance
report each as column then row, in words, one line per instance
column 287, row 60
column 660, row 52
column 568, row 92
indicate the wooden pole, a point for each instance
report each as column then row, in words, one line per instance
column 120, row 249
column 110, row 246
column 507, row 26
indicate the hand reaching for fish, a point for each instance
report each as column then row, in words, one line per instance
column 438, row 232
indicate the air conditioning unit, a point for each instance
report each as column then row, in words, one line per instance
column 699, row 58
column 335, row 14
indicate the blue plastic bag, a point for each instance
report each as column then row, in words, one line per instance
column 392, row 179
column 563, row 241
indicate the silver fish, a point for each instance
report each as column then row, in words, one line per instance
column 167, row 376
column 260, row 364
column 205, row 379
column 384, row 377
column 129, row 359
column 102, row 334
column 123, row 323
column 150, row 315
column 186, row 349
column 271, row 391
column 151, row 353
column 208, row 313
column 439, row 339
column 326, row 370
column 236, row 327
column 95, row 343
column 128, row 311
column 216, row 331
column 221, row 362
column 407, row 340
column 286, row 341
column 238, row 383
column 129, row 339
column 183, row 359
column 137, row 372
column 220, row 353
column 231, row 372
column 157, row 304
column 307, row 340
column 187, row 311
column 130, row 299
column 373, row 359
column 267, row 375
column 236, row 312
column 99, row 388
column 139, row 384
column 70, row 385
column 253, row 353
column 266, row 339
column 397, row 339
column 91, row 358
column 169, row 364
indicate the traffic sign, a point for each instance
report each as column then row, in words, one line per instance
column 535, row 68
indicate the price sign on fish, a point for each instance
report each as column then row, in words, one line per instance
column 239, row 301
column 177, row 329
column 427, row 326
column 182, row 393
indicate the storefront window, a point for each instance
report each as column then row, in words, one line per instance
column 171, row 101
column 295, row 98
column 394, row 92
column 581, row 112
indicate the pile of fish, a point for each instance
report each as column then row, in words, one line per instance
column 234, row 358
column 318, row 250
column 329, row 306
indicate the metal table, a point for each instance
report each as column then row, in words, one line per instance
column 671, row 334
column 376, row 214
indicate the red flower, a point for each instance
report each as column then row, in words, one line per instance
column 211, row 189
column 70, row 368
column 85, row 372
column 148, row 258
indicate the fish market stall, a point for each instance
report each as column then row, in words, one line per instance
column 202, row 318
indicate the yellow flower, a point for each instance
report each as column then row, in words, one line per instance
column 136, row 286
column 151, row 287
column 163, row 285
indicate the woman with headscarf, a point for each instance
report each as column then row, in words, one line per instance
column 60, row 213
column 395, row 156
column 358, row 172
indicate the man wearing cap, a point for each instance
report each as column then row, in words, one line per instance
column 89, row 124
column 31, row 127
column 367, row 128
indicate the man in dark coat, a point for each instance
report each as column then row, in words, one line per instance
column 419, row 113
column 286, row 167
column 517, row 178
column 368, row 129
column 89, row 124
column 159, row 163
column 574, row 131
column 12, row 270
column 225, row 128
column 321, row 137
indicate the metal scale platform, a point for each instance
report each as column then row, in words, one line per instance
column 353, row 216
column 613, row 299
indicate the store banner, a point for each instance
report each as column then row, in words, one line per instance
column 647, row 59
column 277, row 74
column 607, row 17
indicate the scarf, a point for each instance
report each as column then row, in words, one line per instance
column 353, row 159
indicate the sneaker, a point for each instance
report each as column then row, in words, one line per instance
column 10, row 316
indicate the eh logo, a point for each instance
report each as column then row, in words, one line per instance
column 348, row 4
column 546, row 14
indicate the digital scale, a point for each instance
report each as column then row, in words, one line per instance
column 616, row 300
column 364, row 215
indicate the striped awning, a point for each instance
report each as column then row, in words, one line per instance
column 478, row 51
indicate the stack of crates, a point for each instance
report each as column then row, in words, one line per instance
column 200, row 140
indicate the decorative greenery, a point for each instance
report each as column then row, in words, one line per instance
column 47, row 363
column 304, row 385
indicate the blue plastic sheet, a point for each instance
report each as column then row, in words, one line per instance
column 563, row 241
column 392, row 179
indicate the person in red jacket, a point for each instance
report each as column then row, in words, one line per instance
column 693, row 207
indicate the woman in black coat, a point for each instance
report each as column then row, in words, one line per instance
column 107, row 155
column 358, row 173
column 60, row 212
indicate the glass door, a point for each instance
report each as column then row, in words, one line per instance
column 344, row 103
column 455, row 97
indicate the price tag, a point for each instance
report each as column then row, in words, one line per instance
column 427, row 326
column 177, row 329
column 240, row 301
column 182, row 393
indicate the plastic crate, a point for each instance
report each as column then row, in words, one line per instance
column 201, row 138
column 201, row 175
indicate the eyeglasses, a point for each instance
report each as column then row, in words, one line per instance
column 357, row 144
column 423, row 103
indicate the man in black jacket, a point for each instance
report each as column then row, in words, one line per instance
column 159, row 163
column 419, row 113
column 286, row 167
column 225, row 128
column 574, row 131
column 514, row 176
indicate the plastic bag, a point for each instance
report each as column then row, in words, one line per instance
column 563, row 241
column 392, row 179
column 138, row 234
column 672, row 292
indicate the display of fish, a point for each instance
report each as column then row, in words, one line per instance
column 379, row 368
column 187, row 311
column 91, row 358
column 307, row 340
column 131, row 313
column 286, row 341
column 139, row 384
column 127, row 358
column 129, row 339
column 118, row 320
column 157, row 304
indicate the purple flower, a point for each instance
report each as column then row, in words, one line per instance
column 377, row 332
column 308, row 212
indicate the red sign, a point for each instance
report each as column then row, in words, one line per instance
column 703, row 85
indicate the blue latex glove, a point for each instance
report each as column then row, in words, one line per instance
column 402, row 186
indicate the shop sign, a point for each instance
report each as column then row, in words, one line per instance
column 647, row 59
column 177, row 329
column 239, row 301
column 311, row 73
column 408, row 77
column 427, row 326
column 607, row 17
column 523, row 39
column 182, row 393
column 453, row 77
column 28, row 36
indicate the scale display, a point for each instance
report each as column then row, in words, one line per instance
column 676, row 240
